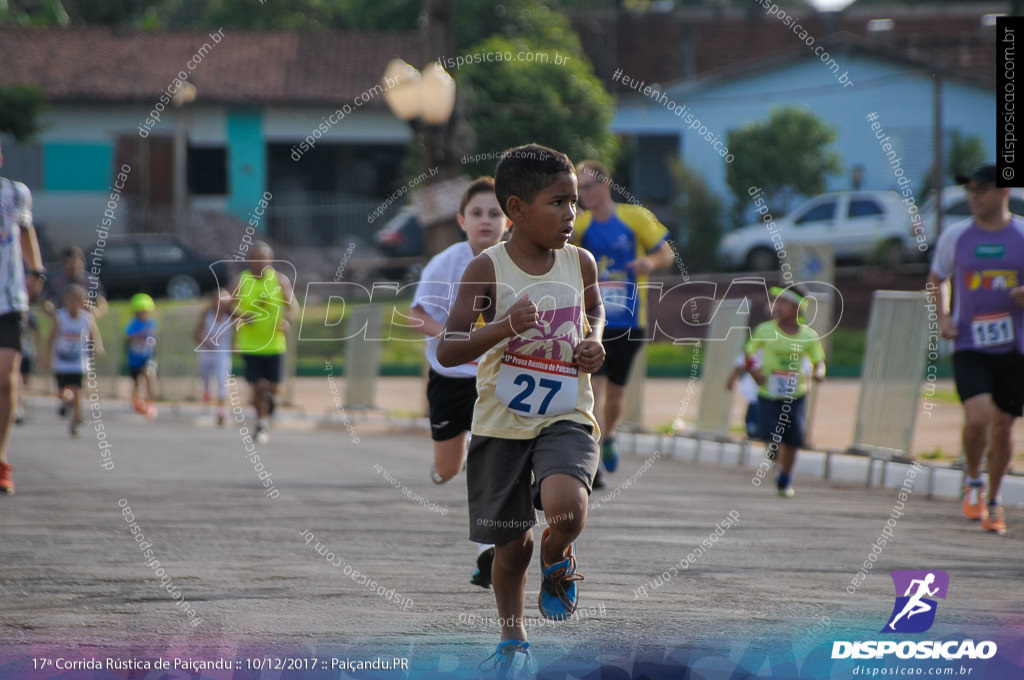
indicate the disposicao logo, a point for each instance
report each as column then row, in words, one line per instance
column 914, row 612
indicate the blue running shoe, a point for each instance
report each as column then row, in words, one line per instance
column 558, row 592
column 610, row 455
column 512, row 660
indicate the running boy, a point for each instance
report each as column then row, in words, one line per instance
column 534, row 414
column 451, row 392
column 775, row 353
column 72, row 329
column 215, row 336
column 140, row 334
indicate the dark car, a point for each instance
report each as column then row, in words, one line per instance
column 401, row 239
column 158, row 264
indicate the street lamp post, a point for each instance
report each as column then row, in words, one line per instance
column 425, row 100
column 186, row 94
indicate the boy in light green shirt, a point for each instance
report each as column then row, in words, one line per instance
column 779, row 348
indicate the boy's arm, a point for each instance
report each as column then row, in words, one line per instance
column 97, row 339
column 753, row 366
column 197, row 332
column 432, row 289
column 736, row 371
column 291, row 304
column 817, row 358
column 459, row 343
column 662, row 256
column 30, row 252
column 589, row 354
column 819, row 372
column 100, row 306
column 44, row 360
column 427, row 325
column 947, row 327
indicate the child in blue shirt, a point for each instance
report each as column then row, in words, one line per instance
column 140, row 334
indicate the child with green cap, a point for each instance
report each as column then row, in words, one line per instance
column 140, row 339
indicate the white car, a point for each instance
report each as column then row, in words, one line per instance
column 954, row 201
column 859, row 225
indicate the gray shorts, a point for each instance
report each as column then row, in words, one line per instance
column 504, row 477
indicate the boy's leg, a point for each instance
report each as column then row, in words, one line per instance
column 75, row 392
column 451, row 402
column 786, row 459
column 564, row 498
column 978, row 411
column 565, row 458
column 1000, row 445
column 147, row 383
column 10, row 365
column 76, row 403
column 271, row 394
column 259, row 398
column 511, row 561
column 501, row 513
column 449, row 456
column 614, row 400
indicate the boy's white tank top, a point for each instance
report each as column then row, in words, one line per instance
column 528, row 382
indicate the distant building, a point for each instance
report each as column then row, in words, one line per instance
column 842, row 85
column 258, row 96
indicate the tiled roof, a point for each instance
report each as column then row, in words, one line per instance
column 113, row 65
column 671, row 47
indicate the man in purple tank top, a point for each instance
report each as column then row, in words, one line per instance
column 984, row 258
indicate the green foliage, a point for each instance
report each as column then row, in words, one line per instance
column 25, row 13
column 513, row 102
column 529, row 20
column 966, row 152
column 21, row 107
column 101, row 12
column 377, row 15
column 295, row 15
column 699, row 215
column 788, row 155
column 963, row 154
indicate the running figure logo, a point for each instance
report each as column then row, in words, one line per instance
column 914, row 612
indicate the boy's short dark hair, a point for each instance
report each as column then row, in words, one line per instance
column 477, row 186
column 527, row 170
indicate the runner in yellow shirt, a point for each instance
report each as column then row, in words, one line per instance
column 264, row 304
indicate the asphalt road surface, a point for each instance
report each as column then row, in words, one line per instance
column 240, row 574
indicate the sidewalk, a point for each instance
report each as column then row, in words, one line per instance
column 833, row 427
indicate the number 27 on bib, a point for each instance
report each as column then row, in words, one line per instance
column 536, row 387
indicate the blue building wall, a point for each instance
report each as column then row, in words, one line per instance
column 898, row 93
column 247, row 162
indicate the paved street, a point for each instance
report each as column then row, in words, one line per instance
column 242, row 575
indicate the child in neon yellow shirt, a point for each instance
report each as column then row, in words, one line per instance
column 779, row 348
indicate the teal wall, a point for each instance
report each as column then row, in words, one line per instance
column 247, row 162
column 77, row 167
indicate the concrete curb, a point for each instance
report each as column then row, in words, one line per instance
column 934, row 481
